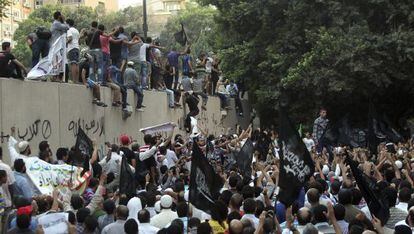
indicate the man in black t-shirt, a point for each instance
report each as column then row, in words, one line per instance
column 115, row 52
column 9, row 65
column 125, row 141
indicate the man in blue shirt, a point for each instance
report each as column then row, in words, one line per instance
column 173, row 62
column 24, row 187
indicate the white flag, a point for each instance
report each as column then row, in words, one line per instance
column 53, row 64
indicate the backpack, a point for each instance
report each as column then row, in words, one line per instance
column 43, row 33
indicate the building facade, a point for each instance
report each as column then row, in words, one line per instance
column 159, row 11
column 18, row 11
column 108, row 5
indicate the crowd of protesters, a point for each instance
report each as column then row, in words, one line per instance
column 330, row 202
column 120, row 60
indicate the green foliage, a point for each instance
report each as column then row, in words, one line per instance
column 340, row 54
column 199, row 26
column 130, row 18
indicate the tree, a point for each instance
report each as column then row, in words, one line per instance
column 199, row 26
column 340, row 54
column 130, row 18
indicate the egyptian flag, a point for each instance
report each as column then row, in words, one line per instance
column 296, row 164
column 181, row 36
column 127, row 184
column 244, row 160
column 84, row 150
column 376, row 204
column 205, row 184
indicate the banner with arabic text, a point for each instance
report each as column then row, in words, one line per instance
column 46, row 176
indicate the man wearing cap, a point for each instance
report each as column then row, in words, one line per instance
column 166, row 215
column 23, row 146
column 132, row 81
column 126, row 151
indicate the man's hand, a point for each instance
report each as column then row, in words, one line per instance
column 39, row 230
column 102, row 179
column 13, row 131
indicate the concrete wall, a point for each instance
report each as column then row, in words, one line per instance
column 51, row 111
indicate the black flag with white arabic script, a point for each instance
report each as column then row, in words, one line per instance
column 127, row 184
column 181, row 36
column 84, row 150
column 244, row 160
column 205, row 184
column 377, row 205
column 296, row 164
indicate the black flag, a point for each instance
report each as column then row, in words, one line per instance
column 181, row 36
column 84, row 150
column 127, row 184
column 244, row 160
column 296, row 164
column 205, row 184
column 376, row 204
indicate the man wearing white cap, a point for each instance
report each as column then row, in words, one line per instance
column 166, row 215
column 23, row 146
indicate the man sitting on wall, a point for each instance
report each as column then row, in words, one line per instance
column 9, row 65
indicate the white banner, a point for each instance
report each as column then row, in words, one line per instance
column 157, row 129
column 54, row 223
column 53, row 64
column 46, row 176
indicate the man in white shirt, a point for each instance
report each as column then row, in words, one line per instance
column 249, row 207
column 166, row 215
column 404, row 196
column 144, row 226
column 308, row 141
column 143, row 60
column 23, row 146
column 171, row 157
column 73, row 50
column 10, row 181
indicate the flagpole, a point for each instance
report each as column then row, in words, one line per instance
column 64, row 58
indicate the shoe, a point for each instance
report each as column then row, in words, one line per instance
column 177, row 104
column 241, row 114
column 99, row 103
column 172, row 107
column 203, row 107
column 143, row 106
column 139, row 110
column 95, row 101
column 116, row 104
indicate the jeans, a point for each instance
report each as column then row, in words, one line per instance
column 238, row 104
column 96, row 63
column 223, row 100
column 176, row 78
column 170, row 95
column 144, row 73
column 105, row 60
column 139, row 92
column 39, row 47
column 204, row 97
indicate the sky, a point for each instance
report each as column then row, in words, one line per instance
column 125, row 3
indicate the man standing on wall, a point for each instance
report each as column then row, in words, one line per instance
column 173, row 62
column 73, row 50
column 319, row 127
